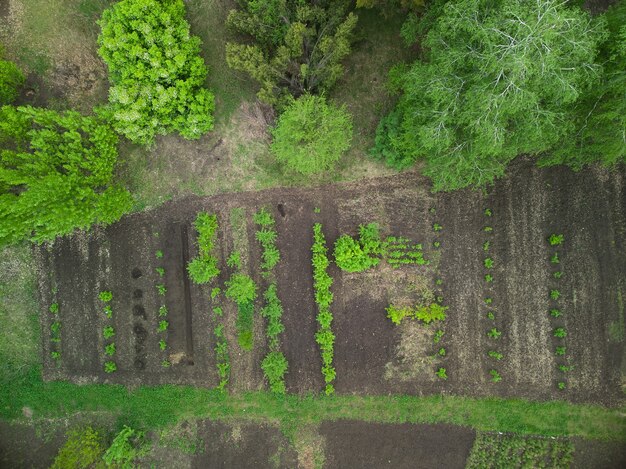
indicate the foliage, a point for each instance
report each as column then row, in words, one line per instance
column 495, row 376
column 155, row 69
column 274, row 366
column 505, row 450
column 323, row 297
column 105, row 296
column 555, row 294
column 222, row 357
column 298, row 46
column 56, row 174
column 109, row 349
column 11, row 80
column 441, row 373
column 425, row 313
column 497, row 80
column 273, row 312
column 127, row 446
column 234, row 260
column 108, row 332
column 496, row 355
column 560, row 333
column 488, row 263
column 245, row 325
column 311, row 135
column 267, row 237
column 555, row 258
column 163, row 325
column 356, row 256
column 83, row 449
column 555, row 239
column 494, row 333
column 110, row 367
column 241, row 289
column 203, row 268
column 599, row 118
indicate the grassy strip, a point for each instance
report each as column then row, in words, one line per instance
column 156, row 407
column 274, row 364
column 323, row 297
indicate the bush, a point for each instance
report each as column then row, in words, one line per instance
column 202, row 269
column 82, row 449
column 498, row 79
column 274, row 366
column 56, row 174
column 127, row 446
column 311, row 135
column 357, row 256
column 11, row 79
column 241, row 289
column 156, row 71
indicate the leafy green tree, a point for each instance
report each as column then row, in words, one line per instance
column 298, row 45
column 600, row 117
column 497, row 81
column 155, row 69
column 56, row 174
column 11, row 79
column 311, row 135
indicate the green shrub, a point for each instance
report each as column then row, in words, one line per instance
column 56, row 174
column 356, row 256
column 424, row 313
column 11, row 80
column 83, row 449
column 156, row 72
column 241, row 289
column 202, row 270
column 311, row 135
column 108, row 332
column 127, row 446
column 109, row 349
column 105, row 296
column 274, row 366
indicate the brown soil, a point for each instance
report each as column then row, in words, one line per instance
column 351, row 444
column 590, row 454
column 371, row 355
column 22, row 446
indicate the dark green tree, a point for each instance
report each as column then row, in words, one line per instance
column 56, row 174
column 497, row 80
column 155, row 69
column 298, row 46
column 311, row 135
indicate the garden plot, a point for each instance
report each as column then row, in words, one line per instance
column 371, row 354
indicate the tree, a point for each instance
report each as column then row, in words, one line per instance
column 155, row 69
column 311, row 135
column 11, row 79
column 298, row 46
column 497, row 81
column 600, row 117
column 56, row 174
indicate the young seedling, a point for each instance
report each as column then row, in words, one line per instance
column 441, row 373
column 55, row 327
column 159, row 254
column 162, row 344
column 105, row 296
column 555, row 258
column 488, row 278
column 438, row 336
column 166, row 364
column 494, row 354
column 215, row 292
column 560, row 351
column 488, row 229
column 432, row 210
column 110, row 367
column 556, row 312
column 108, row 311
column 218, row 311
column 108, row 332
column 488, row 212
column 560, row 333
column 436, row 244
column 488, row 300
column 442, row 352
column 488, row 263
column 317, row 210
column 55, row 355
column 494, row 333
column 110, row 349
column 565, row 368
column 555, row 294
column 163, row 311
column 437, row 227
column 161, row 289
column 491, row 315
column 561, row 385
column 438, row 281
column 163, row 325
column 558, row 275
column 54, row 308
column 555, row 239
column 486, row 245
column 160, row 271
column 495, row 376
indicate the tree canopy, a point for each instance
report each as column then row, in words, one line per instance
column 11, row 79
column 298, row 46
column 155, row 69
column 311, row 135
column 55, row 174
column 498, row 79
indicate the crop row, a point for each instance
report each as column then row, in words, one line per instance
column 108, row 332
column 274, row 365
column 163, row 323
column 559, row 333
column 55, row 329
column 203, row 268
column 324, row 298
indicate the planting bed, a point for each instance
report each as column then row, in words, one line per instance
column 371, row 354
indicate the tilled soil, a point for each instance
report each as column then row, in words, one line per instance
column 527, row 206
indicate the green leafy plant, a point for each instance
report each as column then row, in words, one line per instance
column 158, row 254
column 494, row 333
column 221, row 356
column 488, row 263
column 556, row 313
column 486, row 245
column 110, row 367
column 203, row 269
column 234, row 260
column 156, row 71
column 356, row 256
column 108, row 311
column 436, row 244
column 56, row 355
column 560, row 333
column 488, row 278
column 488, row 301
column 11, row 80
column 555, row 258
column 560, row 351
column 163, row 325
column 555, row 240
column 491, row 315
column 109, row 349
column 54, row 308
column 241, row 289
column 215, row 292
column 82, row 449
column 267, row 237
column 127, row 446
column 105, row 296
column 555, row 294
column 437, row 227
column 441, row 352
column 441, row 373
column 166, row 363
column 561, row 385
column 162, row 345
column 438, row 281
column 494, row 354
column 495, row 376
column 163, row 311
column 488, row 212
column 488, row 229
column 317, row 210
column 274, row 366
column 425, row 313
column 565, row 368
column 438, row 336
column 161, row 289
column 108, row 332
column 557, row 275
column 160, row 271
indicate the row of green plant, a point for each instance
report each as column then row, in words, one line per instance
column 241, row 289
column 493, row 333
column 556, row 312
column 203, row 268
column 108, row 332
column 274, row 364
column 222, row 357
column 425, row 313
column 55, row 328
column 441, row 372
column 514, row 451
column 324, row 298
column 163, row 323
column 358, row 255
